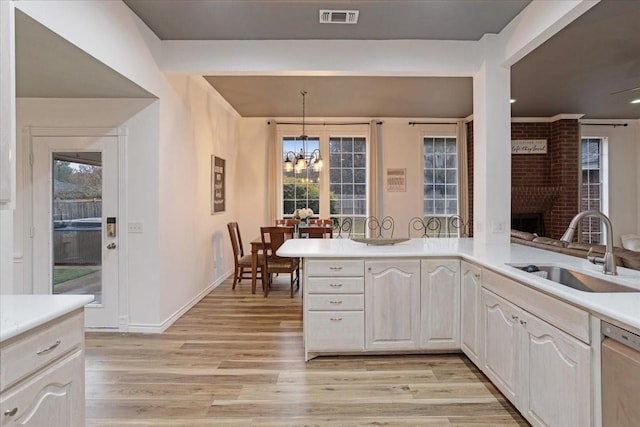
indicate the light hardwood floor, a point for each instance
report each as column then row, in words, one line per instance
column 237, row 359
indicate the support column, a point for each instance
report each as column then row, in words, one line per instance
column 492, row 148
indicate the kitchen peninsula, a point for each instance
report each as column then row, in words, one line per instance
column 42, row 355
column 538, row 341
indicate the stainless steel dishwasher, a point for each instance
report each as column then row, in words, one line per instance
column 620, row 377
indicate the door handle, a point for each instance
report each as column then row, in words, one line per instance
column 111, row 246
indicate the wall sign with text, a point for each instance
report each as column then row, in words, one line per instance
column 217, row 184
column 529, row 146
column 396, row 180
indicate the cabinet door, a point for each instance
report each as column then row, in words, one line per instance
column 500, row 330
column 54, row 397
column 555, row 375
column 440, row 304
column 470, row 315
column 392, row 304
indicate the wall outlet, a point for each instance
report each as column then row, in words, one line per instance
column 135, row 227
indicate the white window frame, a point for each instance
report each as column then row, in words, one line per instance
column 604, row 175
column 441, row 131
column 323, row 133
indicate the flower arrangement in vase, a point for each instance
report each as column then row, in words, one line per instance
column 303, row 214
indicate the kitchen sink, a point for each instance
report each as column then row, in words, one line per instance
column 575, row 280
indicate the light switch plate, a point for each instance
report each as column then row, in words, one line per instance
column 135, row 227
column 497, row 227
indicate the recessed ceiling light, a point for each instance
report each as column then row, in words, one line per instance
column 511, row 101
column 636, row 101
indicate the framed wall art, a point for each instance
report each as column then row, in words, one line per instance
column 218, row 191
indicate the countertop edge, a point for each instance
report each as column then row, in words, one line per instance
column 21, row 313
column 623, row 309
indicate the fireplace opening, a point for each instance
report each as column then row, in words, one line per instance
column 529, row 222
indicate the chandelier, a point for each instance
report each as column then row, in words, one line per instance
column 300, row 162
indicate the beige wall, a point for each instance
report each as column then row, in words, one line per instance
column 184, row 250
column 401, row 148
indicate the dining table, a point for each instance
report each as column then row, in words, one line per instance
column 258, row 246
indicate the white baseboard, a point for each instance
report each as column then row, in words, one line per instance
column 159, row 328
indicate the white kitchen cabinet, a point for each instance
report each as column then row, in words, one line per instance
column 392, row 304
column 42, row 382
column 543, row 371
column 334, row 306
column 54, row 397
column 555, row 376
column 440, row 304
column 470, row 312
column 500, row 331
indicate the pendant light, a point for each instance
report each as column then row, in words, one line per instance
column 300, row 161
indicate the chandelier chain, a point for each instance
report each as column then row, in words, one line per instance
column 304, row 135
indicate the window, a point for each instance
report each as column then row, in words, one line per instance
column 348, row 181
column 440, row 183
column 338, row 191
column 300, row 189
column 592, row 188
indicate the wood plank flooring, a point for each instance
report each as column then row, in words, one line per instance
column 237, row 359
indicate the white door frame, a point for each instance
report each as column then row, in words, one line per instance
column 121, row 134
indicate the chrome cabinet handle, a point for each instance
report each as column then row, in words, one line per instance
column 523, row 322
column 48, row 349
column 10, row 412
column 336, row 319
column 477, row 275
column 335, row 285
column 111, row 246
column 335, row 268
column 514, row 317
column 335, row 302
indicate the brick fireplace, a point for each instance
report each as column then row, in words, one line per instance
column 544, row 187
column 532, row 207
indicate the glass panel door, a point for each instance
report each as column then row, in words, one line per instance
column 76, row 247
column 77, row 223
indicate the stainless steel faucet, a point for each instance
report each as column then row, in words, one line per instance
column 608, row 261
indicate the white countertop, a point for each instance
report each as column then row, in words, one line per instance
column 622, row 308
column 20, row 313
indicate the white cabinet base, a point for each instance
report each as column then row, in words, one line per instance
column 43, row 374
column 55, row 397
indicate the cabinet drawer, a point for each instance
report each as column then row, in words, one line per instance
column 34, row 350
column 335, row 302
column 335, row 285
column 335, row 267
column 335, row 330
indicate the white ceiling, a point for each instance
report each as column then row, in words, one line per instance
column 576, row 71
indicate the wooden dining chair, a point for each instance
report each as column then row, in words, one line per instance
column 287, row 222
column 319, row 228
column 316, row 231
column 321, row 221
column 274, row 264
column 241, row 261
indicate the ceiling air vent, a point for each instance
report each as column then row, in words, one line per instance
column 338, row 16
